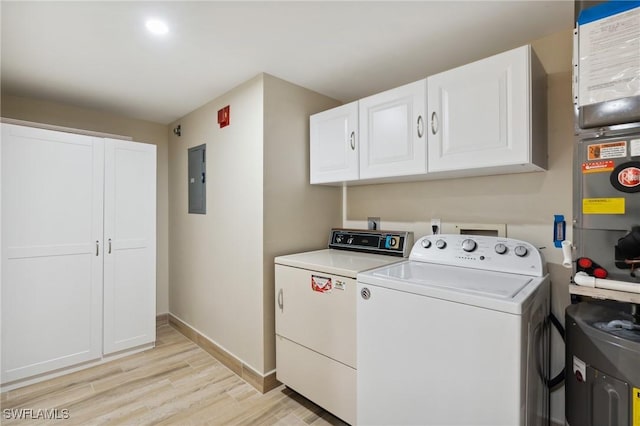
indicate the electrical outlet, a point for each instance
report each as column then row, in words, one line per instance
column 373, row 223
column 435, row 226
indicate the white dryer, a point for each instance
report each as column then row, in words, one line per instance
column 316, row 296
column 456, row 335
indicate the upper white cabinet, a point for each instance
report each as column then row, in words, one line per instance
column 392, row 132
column 488, row 117
column 334, row 144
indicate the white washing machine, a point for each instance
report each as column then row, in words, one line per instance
column 316, row 298
column 456, row 335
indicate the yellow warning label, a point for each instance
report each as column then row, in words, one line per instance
column 603, row 206
column 635, row 407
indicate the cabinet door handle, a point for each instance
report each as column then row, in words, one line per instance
column 352, row 141
column 97, row 247
column 281, row 299
column 420, row 125
column 109, row 245
column 434, row 123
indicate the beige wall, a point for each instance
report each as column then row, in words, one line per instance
column 221, row 280
column 142, row 131
column 216, row 258
column 297, row 215
column 524, row 202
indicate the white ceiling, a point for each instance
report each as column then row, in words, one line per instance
column 99, row 55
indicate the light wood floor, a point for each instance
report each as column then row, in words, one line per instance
column 176, row 383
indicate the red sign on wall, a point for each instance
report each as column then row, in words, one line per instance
column 223, row 117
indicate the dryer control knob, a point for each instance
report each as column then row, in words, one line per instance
column 501, row 248
column 469, row 245
column 520, row 251
column 441, row 244
column 426, row 243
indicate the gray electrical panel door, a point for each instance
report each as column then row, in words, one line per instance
column 197, row 180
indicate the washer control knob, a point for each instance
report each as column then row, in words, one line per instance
column 441, row 244
column 426, row 243
column 469, row 245
column 520, row 251
column 501, row 248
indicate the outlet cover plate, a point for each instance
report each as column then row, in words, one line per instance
column 373, row 223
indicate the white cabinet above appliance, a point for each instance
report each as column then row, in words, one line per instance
column 334, row 144
column 392, row 132
column 488, row 117
column 483, row 118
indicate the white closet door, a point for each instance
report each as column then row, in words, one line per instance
column 130, row 245
column 51, row 289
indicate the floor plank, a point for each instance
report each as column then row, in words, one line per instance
column 175, row 383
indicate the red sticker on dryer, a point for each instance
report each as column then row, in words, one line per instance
column 321, row 284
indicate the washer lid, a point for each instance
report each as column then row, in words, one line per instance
column 490, row 284
column 493, row 290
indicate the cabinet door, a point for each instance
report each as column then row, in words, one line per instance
column 51, row 239
column 334, row 144
column 392, row 133
column 479, row 114
column 130, row 245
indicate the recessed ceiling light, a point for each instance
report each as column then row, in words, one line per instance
column 156, row 26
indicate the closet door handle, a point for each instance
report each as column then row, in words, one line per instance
column 109, row 245
column 97, row 247
column 281, row 299
column 420, row 126
column 352, row 141
column 434, row 123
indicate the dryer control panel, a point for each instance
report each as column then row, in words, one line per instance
column 393, row 243
column 480, row 252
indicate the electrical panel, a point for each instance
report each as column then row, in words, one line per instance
column 198, row 179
